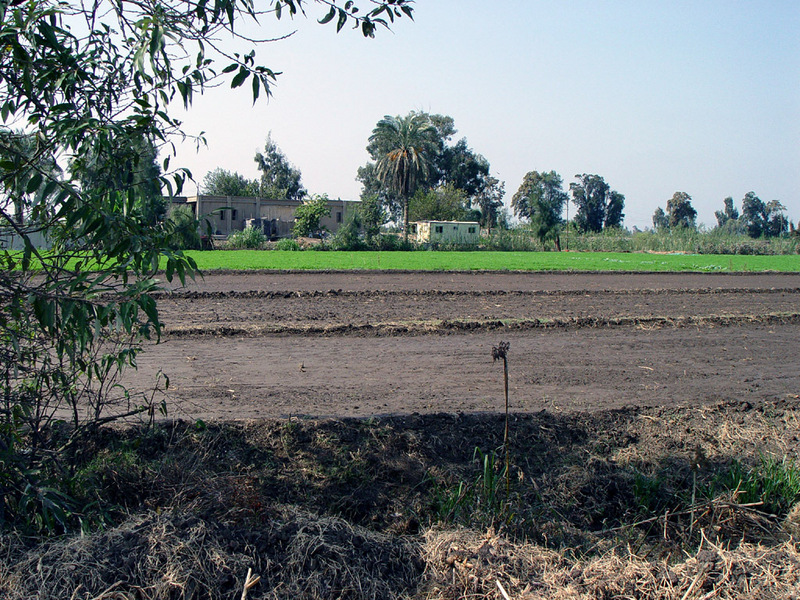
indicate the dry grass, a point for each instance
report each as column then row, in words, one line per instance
column 172, row 557
column 335, row 509
column 464, row 564
column 177, row 557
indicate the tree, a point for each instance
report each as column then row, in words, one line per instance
column 372, row 216
column 545, row 187
column 405, row 145
column 680, row 211
column 220, row 182
column 777, row 223
column 93, row 84
column 185, row 229
column 24, row 154
column 763, row 219
column 373, row 188
column 455, row 164
column 660, row 220
column 490, row 201
column 599, row 207
column 128, row 167
column 541, row 199
column 614, row 208
column 463, row 168
column 279, row 179
column 729, row 213
column 444, row 203
column 348, row 236
column 308, row 215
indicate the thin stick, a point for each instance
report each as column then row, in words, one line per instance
column 249, row 582
column 501, row 351
column 107, row 590
column 505, row 437
column 691, row 587
column 502, row 589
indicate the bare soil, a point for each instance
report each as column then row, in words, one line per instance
column 255, row 345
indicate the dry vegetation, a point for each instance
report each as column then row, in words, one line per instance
column 633, row 504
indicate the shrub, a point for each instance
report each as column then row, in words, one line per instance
column 250, row 238
column 349, row 235
column 308, row 215
column 391, row 242
column 288, row 244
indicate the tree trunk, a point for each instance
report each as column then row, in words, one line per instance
column 405, row 219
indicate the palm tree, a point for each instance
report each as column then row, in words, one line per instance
column 405, row 144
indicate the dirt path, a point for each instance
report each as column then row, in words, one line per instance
column 260, row 345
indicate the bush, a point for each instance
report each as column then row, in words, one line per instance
column 349, row 235
column 514, row 240
column 391, row 242
column 288, row 244
column 308, row 215
column 250, row 239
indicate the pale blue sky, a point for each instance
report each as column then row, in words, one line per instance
column 697, row 96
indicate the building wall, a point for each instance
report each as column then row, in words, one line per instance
column 236, row 210
column 340, row 211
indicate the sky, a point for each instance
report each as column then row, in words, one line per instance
column 697, row 96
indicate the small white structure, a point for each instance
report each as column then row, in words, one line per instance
column 445, row 232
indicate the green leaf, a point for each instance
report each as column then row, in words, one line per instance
column 34, row 183
column 342, row 20
column 240, row 77
column 329, row 17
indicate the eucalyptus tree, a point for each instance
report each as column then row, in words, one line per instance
column 87, row 81
column 405, row 146
column 541, row 200
column 221, row 182
column 24, row 153
column 443, row 203
column 660, row 220
column 490, row 201
column 680, row 211
column 727, row 214
column 279, row 178
column 767, row 219
column 599, row 207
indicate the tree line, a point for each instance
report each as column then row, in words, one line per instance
column 757, row 218
column 417, row 172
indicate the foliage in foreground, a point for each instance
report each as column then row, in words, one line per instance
column 86, row 92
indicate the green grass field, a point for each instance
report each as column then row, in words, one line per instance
column 491, row 261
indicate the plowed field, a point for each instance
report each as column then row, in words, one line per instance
column 267, row 344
